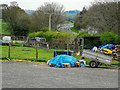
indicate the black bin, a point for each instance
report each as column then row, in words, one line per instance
column 61, row 53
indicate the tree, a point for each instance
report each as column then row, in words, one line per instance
column 109, row 37
column 102, row 16
column 18, row 21
column 41, row 16
column 78, row 20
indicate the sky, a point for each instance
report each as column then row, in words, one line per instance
column 34, row 4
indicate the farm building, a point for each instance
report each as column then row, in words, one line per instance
column 41, row 42
column 86, row 43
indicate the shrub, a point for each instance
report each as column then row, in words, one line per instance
column 83, row 34
column 109, row 37
column 75, row 30
column 50, row 35
column 45, row 29
column 54, row 37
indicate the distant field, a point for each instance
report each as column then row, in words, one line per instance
column 74, row 30
column 68, row 22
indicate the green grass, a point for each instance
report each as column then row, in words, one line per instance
column 68, row 22
column 74, row 30
column 17, row 53
column 43, row 54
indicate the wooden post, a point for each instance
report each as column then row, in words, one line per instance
column 36, row 50
column 67, row 48
column 9, row 50
column 82, row 43
column 28, row 40
column 76, row 45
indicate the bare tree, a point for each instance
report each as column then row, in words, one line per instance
column 41, row 16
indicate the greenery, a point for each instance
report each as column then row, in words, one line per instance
column 69, row 22
column 43, row 54
column 75, row 30
column 17, row 20
column 78, row 23
column 20, row 23
column 85, row 34
column 100, row 16
column 45, row 29
column 17, row 53
column 50, row 35
column 4, row 28
column 105, row 37
column 110, row 38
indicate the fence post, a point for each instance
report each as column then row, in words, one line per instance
column 28, row 40
column 9, row 50
column 67, row 48
column 36, row 50
column 76, row 45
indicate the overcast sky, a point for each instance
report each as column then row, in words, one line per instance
column 34, row 4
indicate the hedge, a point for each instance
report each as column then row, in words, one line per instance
column 51, row 35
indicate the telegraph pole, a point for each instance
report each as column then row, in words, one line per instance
column 50, row 15
column 50, row 22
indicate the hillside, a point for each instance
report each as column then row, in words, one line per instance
column 70, row 15
column 73, row 12
column 29, row 11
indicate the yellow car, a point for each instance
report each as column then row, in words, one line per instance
column 106, row 51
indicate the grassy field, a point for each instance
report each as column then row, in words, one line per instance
column 18, row 53
column 68, row 22
column 74, row 30
column 43, row 54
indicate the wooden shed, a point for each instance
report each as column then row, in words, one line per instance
column 86, row 42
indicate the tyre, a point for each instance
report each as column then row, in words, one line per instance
column 93, row 64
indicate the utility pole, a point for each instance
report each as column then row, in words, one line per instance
column 50, row 15
column 50, row 22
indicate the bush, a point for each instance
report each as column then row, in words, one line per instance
column 54, row 37
column 4, row 28
column 45, row 29
column 83, row 34
column 50, row 35
column 75, row 30
column 110, row 38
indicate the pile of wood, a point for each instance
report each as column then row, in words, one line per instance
column 116, row 53
column 67, row 65
column 77, row 64
column 52, row 64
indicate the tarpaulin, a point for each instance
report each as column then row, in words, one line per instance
column 58, row 60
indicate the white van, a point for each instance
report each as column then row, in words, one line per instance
column 6, row 39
